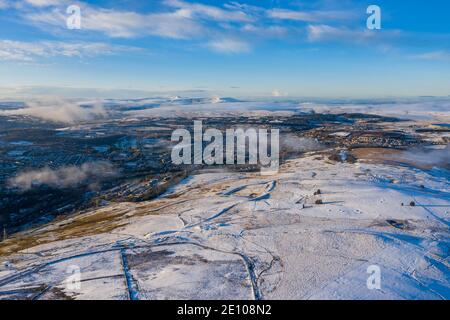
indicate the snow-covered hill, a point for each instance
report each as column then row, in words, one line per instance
column 309, row 232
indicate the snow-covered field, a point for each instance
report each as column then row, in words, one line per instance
column 227, row 235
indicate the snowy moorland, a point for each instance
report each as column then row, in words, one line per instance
column 309, row 232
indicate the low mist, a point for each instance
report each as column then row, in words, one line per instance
column 58, row 110
column 429, row 158
column 64, row 177
column 293, row 143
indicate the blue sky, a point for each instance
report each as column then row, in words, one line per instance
column 250, row 48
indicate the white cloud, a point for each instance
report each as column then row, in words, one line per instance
column 44, row 3
column 383, row 41
column 183, row 21
column 439, row 157
column 64, row 177
column 278, row 93
column 58, row 110
column 190, row 20
column 293, row 143
column 209, row 12
column 434, row 56
column 29, row 51
column 229, row 45
column 309, row 16
column 123, row 24
column 326, row 32
column 265, row 31
column 4, row 4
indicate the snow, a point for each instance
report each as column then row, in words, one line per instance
column 227, row 235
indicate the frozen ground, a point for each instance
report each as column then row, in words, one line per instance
column 224, row 235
